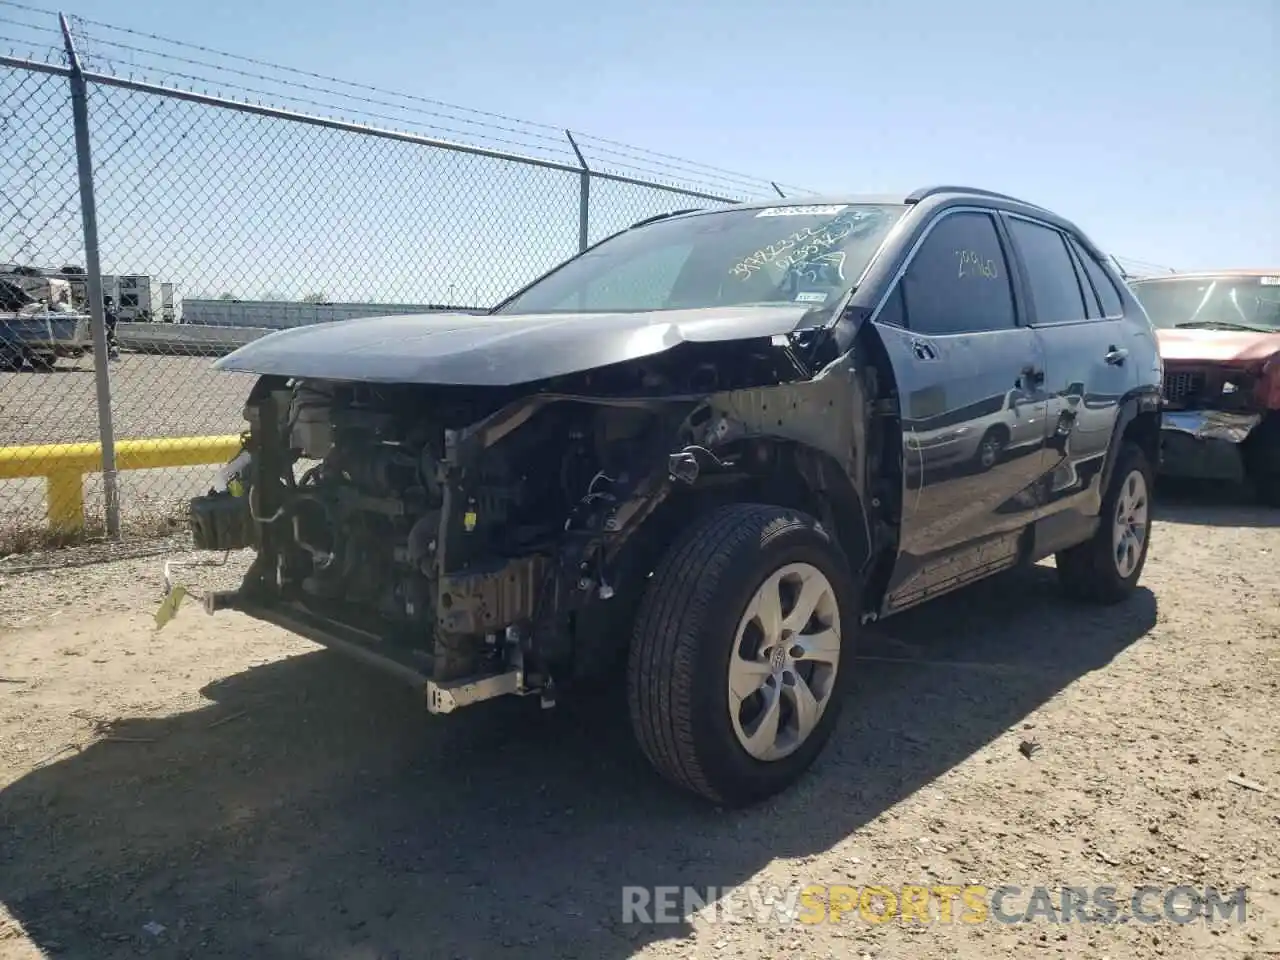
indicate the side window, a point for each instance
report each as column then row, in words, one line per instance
column 1102, row 282
column 892, row 312
column 1092, row 310
column 1055, row 287
column 958, row 281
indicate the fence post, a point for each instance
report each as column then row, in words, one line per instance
column 93, row 267
column 584, row 196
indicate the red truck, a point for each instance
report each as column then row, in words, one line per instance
column 1219, row 335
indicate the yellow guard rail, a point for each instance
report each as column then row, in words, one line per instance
column 63, row 465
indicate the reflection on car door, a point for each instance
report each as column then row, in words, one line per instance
column 1086, row 361
column 972, row 407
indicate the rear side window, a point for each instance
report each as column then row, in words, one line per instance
column 1092, row 309
column 958, row 281
column 1102, row 283
column 1055, row 287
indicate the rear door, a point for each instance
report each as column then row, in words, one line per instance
column 972, row 406
column 1077, row 313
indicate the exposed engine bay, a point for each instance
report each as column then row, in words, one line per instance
column 471, row 533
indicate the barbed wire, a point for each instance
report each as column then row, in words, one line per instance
column 28, row 7
column 47, row 36
column 428, row 101
column 363, row 102
column 1146, row 265
column 142, row 55
column 677, row 178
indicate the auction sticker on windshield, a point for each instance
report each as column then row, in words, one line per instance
column 809, row 211
column 1271, row 281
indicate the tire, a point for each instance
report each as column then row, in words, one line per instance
column 686, row 636
column 1096, row 571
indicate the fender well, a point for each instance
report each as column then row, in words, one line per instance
column 792, row 474
column 1139, row 422
column 769, row 470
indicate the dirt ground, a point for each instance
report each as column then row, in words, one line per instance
column 222, row 789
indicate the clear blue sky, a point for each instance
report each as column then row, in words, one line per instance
column 1154, row 125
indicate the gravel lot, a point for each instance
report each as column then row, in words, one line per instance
column 225, row 790
column 152, row 396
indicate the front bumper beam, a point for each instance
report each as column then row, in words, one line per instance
column 410, row 666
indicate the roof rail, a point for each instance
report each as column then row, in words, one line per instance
column 663, row 216
column 917, row 195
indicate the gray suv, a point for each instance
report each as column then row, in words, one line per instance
column 705, row 451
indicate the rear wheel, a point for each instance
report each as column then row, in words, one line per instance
column 1106, row 568
column 741, row 652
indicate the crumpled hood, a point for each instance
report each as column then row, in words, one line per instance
column 1237, row 348
column 497, row 349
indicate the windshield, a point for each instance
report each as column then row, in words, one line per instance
column 790, row 254
column 1209, row 303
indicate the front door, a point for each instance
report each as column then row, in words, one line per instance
column 973, row 408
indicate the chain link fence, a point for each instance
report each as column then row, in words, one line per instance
column 223, row 215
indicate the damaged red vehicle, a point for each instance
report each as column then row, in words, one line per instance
column 1219, row 337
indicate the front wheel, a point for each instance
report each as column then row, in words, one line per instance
column 1106, row 568
column 741, row 652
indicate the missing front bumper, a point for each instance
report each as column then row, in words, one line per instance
column 368, row 648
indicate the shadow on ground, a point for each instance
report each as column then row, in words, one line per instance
column 314, row 811
column 1211, row 504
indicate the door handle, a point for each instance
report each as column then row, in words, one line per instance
column 1116, row 355
column 923, row 350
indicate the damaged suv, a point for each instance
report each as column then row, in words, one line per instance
column 705, row 451
column 1219, row 335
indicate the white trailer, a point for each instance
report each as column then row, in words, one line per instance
column 140, row 298
column 170, row 305
column 80, row 289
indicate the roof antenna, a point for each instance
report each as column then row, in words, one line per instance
column 779, row 189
